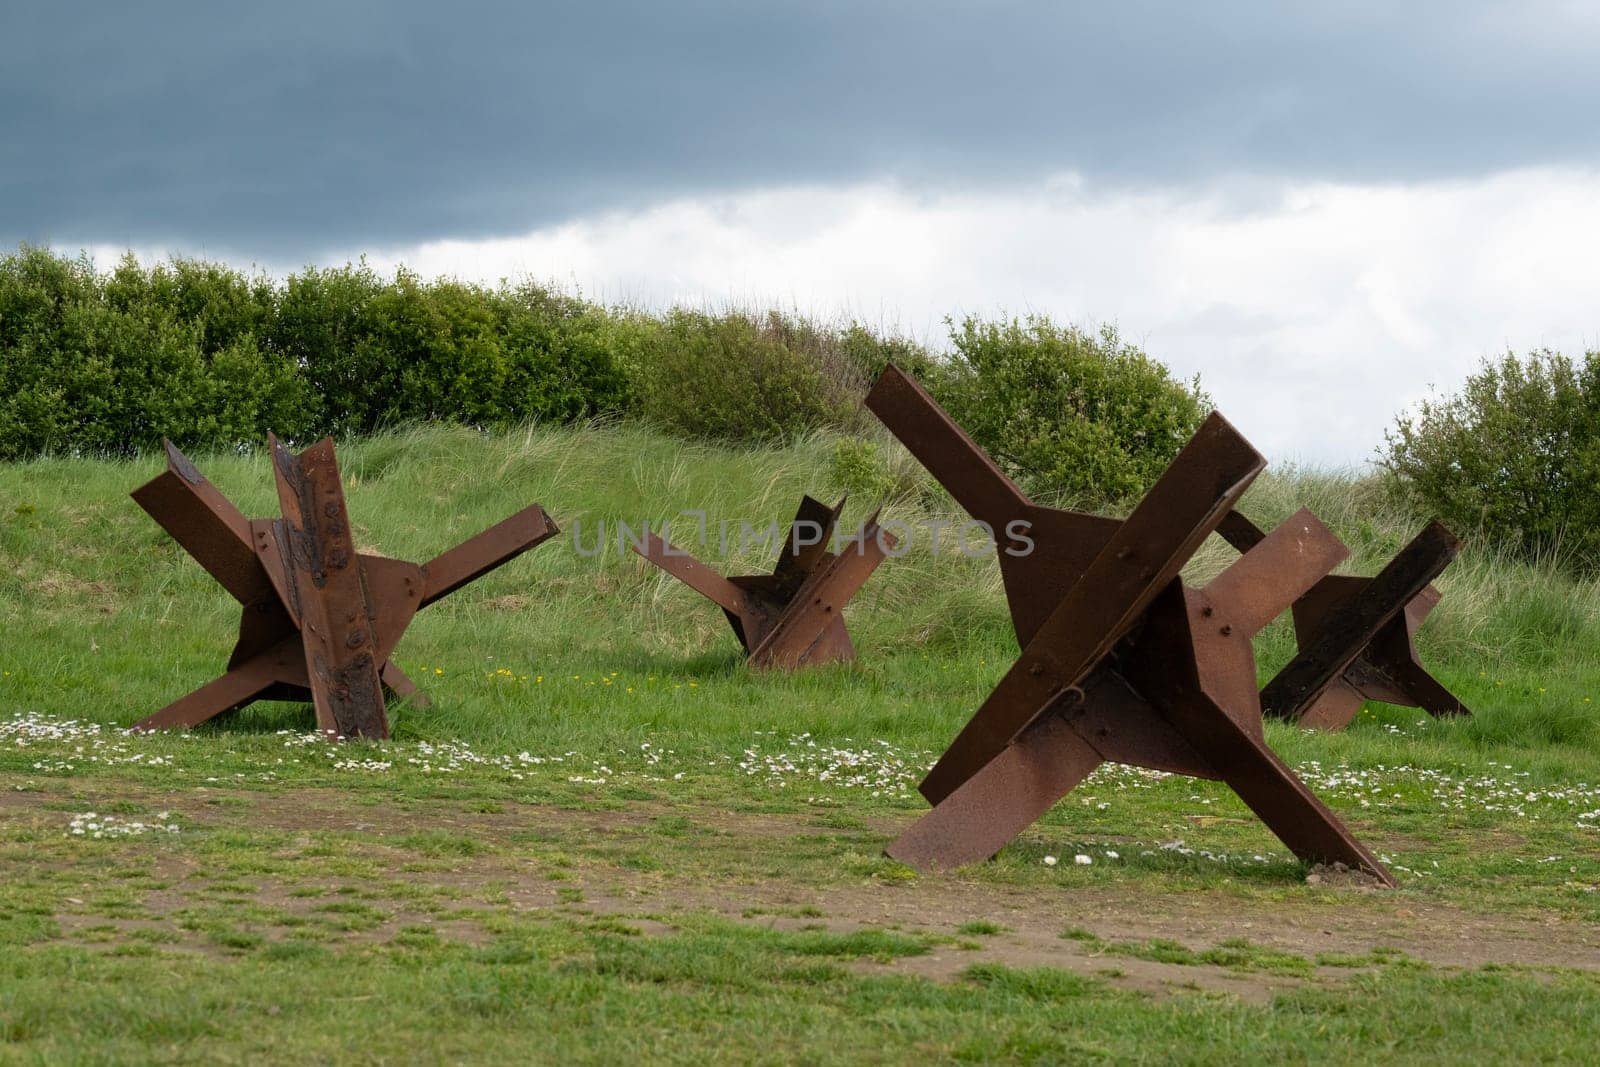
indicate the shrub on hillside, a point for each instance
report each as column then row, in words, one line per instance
column 738, row 376
column 862, row 468
column 868, row 351
column 570, row 359
column 1076, row 417
column 110, row 364
column 1514, row 456
column 378, row 352
column 223, row 305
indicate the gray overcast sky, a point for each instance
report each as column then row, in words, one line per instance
column 1322, row 209
column 284, row 128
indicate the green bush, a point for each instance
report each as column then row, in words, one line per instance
column 221, row 304
column 377, row 353
column 323, row 325
column 867, row 351
column 111, row 362
column 743, row 377
column 569, row 359
column 37, row 293
column 856, row 467
column 1513, row 457
column 1075, row 417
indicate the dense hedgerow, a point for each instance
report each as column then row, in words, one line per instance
column 376, row 353
column 1513, row 457
column 738, row 376
column 109, row 363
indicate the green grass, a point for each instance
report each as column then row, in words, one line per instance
column 607, row 839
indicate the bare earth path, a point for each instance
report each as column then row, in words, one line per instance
column 649, row 865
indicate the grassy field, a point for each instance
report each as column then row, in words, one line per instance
column 606, row 840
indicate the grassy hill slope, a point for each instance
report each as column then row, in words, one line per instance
column 107, row 619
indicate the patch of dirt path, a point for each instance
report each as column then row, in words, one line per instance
column 1320, row 919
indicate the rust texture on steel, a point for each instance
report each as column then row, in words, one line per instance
column 320, row 619
column 1121, row 661
column 1357, row 636
column 793, row 617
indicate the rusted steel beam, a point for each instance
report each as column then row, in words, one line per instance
column 799, row 634
column 1209, row 698
column 206, row 524
column 397, row 682
column 1239, row 531
column 335, row 615
column 698, row 576
column 1126, row 663
column 1356, row 638
column 1296, row 555
column 806, row 547
column 493, row 548
column 953, row 458
column 320, row 620
column 1005, row 797
column 1388, row 669
column 242, row 684
column 1146, row 552
column 793, row 617
column 1034, row 581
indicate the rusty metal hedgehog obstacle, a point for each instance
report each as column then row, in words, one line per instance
column 320, row 619
column 1357, row 636
column 1121, row 661
column 793, row 617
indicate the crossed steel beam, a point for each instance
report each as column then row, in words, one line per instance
column 1121, row 661
column 320, row 619
column 794, row 616
column 1357, row 636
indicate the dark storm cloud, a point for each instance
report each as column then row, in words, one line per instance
column 287, row 127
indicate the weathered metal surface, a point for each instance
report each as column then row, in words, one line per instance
column 1124, row 728
column 335, row 623
column 1357, row 639
column 1251, row 593
column 799, row 634
column 1297, row 554
column 1004, row 798
column 494, row 547
column 793, row 617
column 1145, row 553
column 319, row 619
column 1212, row 703
column 1034, row 581
column 1120, row 661
column 698, row 576
column 243, row 684
column 397, row 682
column 206, row 524
column 806, row 547
column 953, row 458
